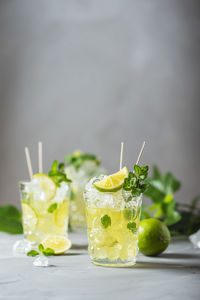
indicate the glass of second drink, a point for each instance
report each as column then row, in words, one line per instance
column 113, row 205
column 44, row 202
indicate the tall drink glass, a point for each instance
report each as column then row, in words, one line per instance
column 113, row 223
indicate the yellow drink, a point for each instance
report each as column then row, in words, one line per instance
column 113, row 223
column 44, row 217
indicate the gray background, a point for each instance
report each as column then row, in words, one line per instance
column 89, row 74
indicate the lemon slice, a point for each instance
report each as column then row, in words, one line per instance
column 113, row 182
column 47, row 185
column 60, row 244
column 60, row 214
column 29, row 218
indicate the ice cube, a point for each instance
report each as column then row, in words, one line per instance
column 41, row 261
column 195, row 239
column 21, row 247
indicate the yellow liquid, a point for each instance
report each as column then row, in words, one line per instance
column 117, row 243
column 77, row 211
column 38, row 223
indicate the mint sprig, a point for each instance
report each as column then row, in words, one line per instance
column 77, row 160
column 132, row 227
column 135, row 181
column 44, row 251
column 57, row 173
column 106, row 221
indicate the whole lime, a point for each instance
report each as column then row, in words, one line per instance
column 154, row 237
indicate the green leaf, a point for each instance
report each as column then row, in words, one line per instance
column 172, row 218
column 52, row 207
column 10, row 220
column 106, row 221
column 132, row 227
column 10, row 212
column 156, row 172
column 54, row 165
column 137, row 169
column 41, row 247
column 136, row 192
column 170, row 183
column 77, row 160
column 48, row 252
column 33, row 253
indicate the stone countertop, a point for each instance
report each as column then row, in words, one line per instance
column 173, row 275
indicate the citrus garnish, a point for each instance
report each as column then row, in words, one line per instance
column 154, row 237
column 60, row 214
column 60, row 244
column 113, row 182
column 47, row 185
column 29, row 218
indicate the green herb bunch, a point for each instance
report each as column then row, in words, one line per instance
column 57, row 173
column 44, row 251
column 136, row 182
column 161, row 189
column 181, row 219
column 77, row 160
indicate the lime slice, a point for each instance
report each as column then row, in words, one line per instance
column 60, row 244
column 29, row 218
column 113, row 182
column 47, row 185
column 61, row 214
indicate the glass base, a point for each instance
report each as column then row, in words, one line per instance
column 118, row 263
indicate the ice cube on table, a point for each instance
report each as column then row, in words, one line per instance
column 195, row 239
column 41, row 261
column 21, row 247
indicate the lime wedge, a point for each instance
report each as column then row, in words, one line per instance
column 29, row 218
column 113, row 182
column 60, row 214
column 60, row 244
column 47, row 185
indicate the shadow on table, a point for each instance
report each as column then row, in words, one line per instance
column 79, row 247
column 180, row 255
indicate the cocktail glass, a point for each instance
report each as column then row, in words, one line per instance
column 112, row 224
column 43, row 217
column 80, row 178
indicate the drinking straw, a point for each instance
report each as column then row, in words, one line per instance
column 28, row 160
column 121, row 155
column 40, row 157
column 140, row 154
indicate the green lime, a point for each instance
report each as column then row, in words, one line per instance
column 154, row 237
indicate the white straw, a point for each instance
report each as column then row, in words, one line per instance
column 28, row 160
column 141, row 151
column 40, row 157
column 121, row 155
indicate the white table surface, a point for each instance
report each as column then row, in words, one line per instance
column 173, row 275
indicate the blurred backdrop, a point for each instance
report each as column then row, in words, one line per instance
column 89, row 74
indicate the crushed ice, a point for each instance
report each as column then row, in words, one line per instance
column 41, row 261
column 195, row 239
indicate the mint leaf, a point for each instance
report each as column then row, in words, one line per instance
column 57, row 173
column 135, row 182
column 132, row 227
column 77, row 160
column 48, row 252
column 52, row 207
column 32, row 253
column 41, row 247
column 106, row 221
